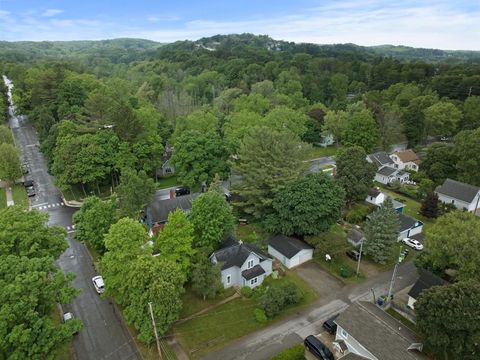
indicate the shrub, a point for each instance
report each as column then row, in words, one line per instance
column 260, row 316
column 346, row 271
column 246, row 292
column 295, row 352
column 276, row 298
column 409, row 190
column 357, row 213
column 292, row 294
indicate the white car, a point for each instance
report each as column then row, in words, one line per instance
column 412, row 243
column 98, row 284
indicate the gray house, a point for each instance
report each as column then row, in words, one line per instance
column 424, row 282
column 242, row 264
column 380, row 159
column 158, row 210
column 461, row 195
column 355, row 237
column 388, row 174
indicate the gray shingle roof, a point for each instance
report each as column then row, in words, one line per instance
column 425, row 281
column 353, row 356
column 158, row 210
column 380, row 158
column 458, row 190
column 407, row 222
column 235, row 255
column 386, row 171
column 255, row 271
column 381, row 334
column 374, row 192
column 355, row 236
column 287, row 246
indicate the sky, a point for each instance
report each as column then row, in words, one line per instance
column 442, row 24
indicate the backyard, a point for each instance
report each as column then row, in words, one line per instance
column 166, row 182
column 319, row 151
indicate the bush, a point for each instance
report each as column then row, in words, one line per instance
column 346, row 271
column 260, row 316
column 246, row 292
column 276, row 298
column 296, row 352
column 357, row 213
column 409, row 190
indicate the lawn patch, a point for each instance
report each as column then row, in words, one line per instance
column 3, row 198
column 20, row 195
column 76, row 193
column 167, row 182
column 320, row 151
column 192, row 303
column 296, row 352
column 251, row 233
column 63, row 352
column 402, row 319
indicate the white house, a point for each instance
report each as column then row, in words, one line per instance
column 406, row 159
column 463, row 196
column 242, row 264
column 289, row 251
column 388, row 174
column 380, row 159
column 375, row 196
column 367, row 331
column 424, row 282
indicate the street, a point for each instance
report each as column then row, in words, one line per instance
column 103, row 335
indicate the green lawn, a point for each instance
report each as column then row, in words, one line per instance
column 3, row 198
column 403, row 320
column 251, row 233
column 232, row 320
column 319, row 151
column 20, row 195
column 76, row 192
column 192, row 303
column 296, row 352
column 167, row 182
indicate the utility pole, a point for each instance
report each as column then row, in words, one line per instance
column 155, row 331
column 470, row 91
column 360, row 256
column 392, row 282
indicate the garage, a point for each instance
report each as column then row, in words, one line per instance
column 289, row 251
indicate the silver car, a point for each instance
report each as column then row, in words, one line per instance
column 98, row 284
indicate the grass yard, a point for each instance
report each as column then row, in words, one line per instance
column 20, row 195
column 3, row 198
column 63, row 352
column 192, row 303
column 76, row 192
column 251, row 233
column 230, row 321
column 320, row 151
column 403, row 320
column 296, row 352
column 166, row 182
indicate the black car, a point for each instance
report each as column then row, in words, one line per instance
column 353, row 254
column 317, row 348
column 182, row 190
column 330, row 325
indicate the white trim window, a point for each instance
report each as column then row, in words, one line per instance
column 344, row 334
column 228, row 279
column 250, row 264
column 254, row 280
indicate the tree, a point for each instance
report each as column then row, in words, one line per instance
column 198, row 157
column 93, row 220
column 354, row 173
column 308, row 206
column 439, row 163
column 206, row 278
column 381, row 232
column 414, row 118
column 282, row 118
column 442, row 118
column 268, row 161
column 212, row 218
column 10, row 167
column 467, row 150
column 338, row 87
column 236, row 126
column 457, row 330
column 134, row 192
column 452, row 242
column 471, row 113
column 335, row 123
column 390, row 128
column 361, row 130
column 175, row 240
column 6, row 136
column 25, row 233
column 429, row 207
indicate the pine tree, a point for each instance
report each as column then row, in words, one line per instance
column 429, row 207
column 381, row 232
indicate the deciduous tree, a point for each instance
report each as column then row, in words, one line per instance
column 206, row 278
column 6, row 136
column 429, row 207
column 361, row 130
column 134, row 192
column 467, row 150
column 442, row 118
column 10, row 169
column 439, row 163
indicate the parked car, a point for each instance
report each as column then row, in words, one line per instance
column 330, row 325
column 412, row 243
column 25, row 168
column 30, row 188
column 317, row 348
column 98, row 284
column 182, row 190
column 67, row 316
column 353, row 254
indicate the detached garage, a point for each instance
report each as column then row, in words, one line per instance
column 289, row 251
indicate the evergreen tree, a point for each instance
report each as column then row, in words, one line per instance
column 381, row 232
column 429, row 207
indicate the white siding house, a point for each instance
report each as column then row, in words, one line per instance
column 406, row 159
column 289, row 251
column 461, row 195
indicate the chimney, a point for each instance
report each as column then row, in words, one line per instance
column 172, row 193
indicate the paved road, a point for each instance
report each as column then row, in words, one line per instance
column 265, row 343
column 103, row 335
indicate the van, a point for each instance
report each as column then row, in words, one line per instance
column 317, row 348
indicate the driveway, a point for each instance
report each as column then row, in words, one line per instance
column 320, row 280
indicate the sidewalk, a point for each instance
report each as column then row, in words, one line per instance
column 8, row 192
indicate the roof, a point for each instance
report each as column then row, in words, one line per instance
column 380, row 158
column 386, row 171
column 458, row 190
column 236, row 254
column 381, row 334
column 355, row 235
column 425, row 281
column 407, row 222
column 288, row 246
column 374, row 192
column 407, row 155
column 158, row 210
column 255, row 271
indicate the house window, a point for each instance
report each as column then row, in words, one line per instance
column 344, row 334
column 253, row 281
column 229, row 279
column 250, row 264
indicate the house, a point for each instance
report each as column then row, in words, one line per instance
column 167, row 167
column 355, row 237
column 326, row 140
column 424, row 282
column 158, row 210
column 369, row 332
column 376, row 197
column 409, row 226
column 289, row 251
column 242, row 264
column 388, row 174
column 461, row 195
column 406, row 159
column 380, row 159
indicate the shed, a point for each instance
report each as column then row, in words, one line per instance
column 289, row 251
